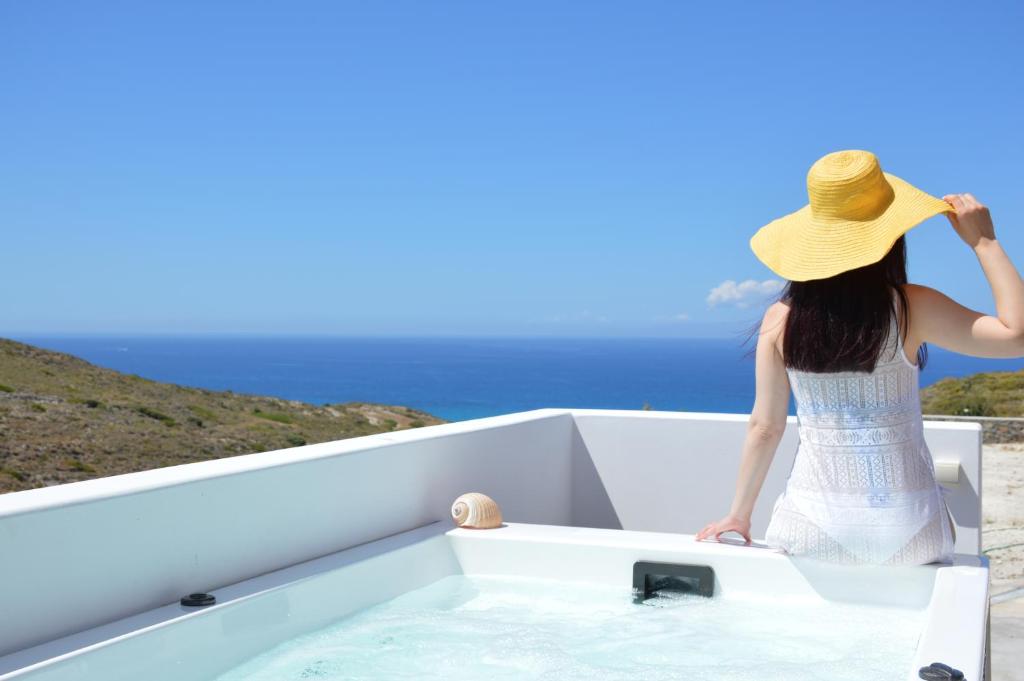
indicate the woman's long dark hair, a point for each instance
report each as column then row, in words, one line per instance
column 842, row 323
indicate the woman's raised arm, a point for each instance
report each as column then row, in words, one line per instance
column 937, row 319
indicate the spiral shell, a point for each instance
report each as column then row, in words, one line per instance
column 477, row 511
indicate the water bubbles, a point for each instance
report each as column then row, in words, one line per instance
column 495, row 628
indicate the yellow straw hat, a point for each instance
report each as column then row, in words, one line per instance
column 856, row 213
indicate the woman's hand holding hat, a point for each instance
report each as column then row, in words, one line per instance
column 971, row 221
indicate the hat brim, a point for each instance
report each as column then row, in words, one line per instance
column 799, row 247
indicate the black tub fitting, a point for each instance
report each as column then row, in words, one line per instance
column 198, row 600
column 650, row 578
column 937, row 671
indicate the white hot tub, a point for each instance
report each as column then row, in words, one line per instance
column 575, row 587
column 331, row 561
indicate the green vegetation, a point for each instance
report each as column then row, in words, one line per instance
column 202, row 412
column 999, row 394
column 273, row 416
column 154, row 414
column 991, row 394
column 92, row 404
column 17, row 475
column 86, row 421
column 76, row 465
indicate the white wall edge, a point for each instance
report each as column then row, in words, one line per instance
column 68, row 494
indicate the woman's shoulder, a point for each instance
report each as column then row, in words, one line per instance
column 918, row 292
column 920, row 299
column 774, row 322
column 776, row 312
column 920, row 302
column 777, row 308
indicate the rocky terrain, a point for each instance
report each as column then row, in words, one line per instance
column 63, row 419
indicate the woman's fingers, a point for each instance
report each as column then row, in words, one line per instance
column 958, row 206
column 717, row 529
column 962, row 201
column 706, row 531
column 971, row 220
column 737, row 530
column 957, row 201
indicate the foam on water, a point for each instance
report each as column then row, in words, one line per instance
column 509, row 628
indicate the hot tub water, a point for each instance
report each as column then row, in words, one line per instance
column 489, row 628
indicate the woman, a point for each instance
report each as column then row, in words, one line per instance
column 845, row 335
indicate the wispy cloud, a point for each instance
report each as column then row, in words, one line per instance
column 681, row 317
column 744, row 293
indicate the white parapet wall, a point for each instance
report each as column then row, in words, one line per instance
column 676, row 472
column 78, row 555
column 81, row 554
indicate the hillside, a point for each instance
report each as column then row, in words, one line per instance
column 63, row 419
column 998, row 393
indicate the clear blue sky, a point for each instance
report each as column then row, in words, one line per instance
column 470, row 168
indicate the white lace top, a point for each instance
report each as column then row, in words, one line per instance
column 862, row 487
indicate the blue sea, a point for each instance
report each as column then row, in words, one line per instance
column 465, row 378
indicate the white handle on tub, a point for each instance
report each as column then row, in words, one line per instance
column 947, row 471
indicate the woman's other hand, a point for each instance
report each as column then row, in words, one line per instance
column 729, row 522
column 971, row 221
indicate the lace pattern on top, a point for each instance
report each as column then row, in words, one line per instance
column 862, row 488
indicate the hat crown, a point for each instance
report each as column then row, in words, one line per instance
column 848, row 185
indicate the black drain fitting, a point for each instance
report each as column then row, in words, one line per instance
column 198, row 600
column 937, row 671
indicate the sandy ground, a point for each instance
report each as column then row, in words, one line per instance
column 1002, row 538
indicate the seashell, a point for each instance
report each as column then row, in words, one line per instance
column 477, row 511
